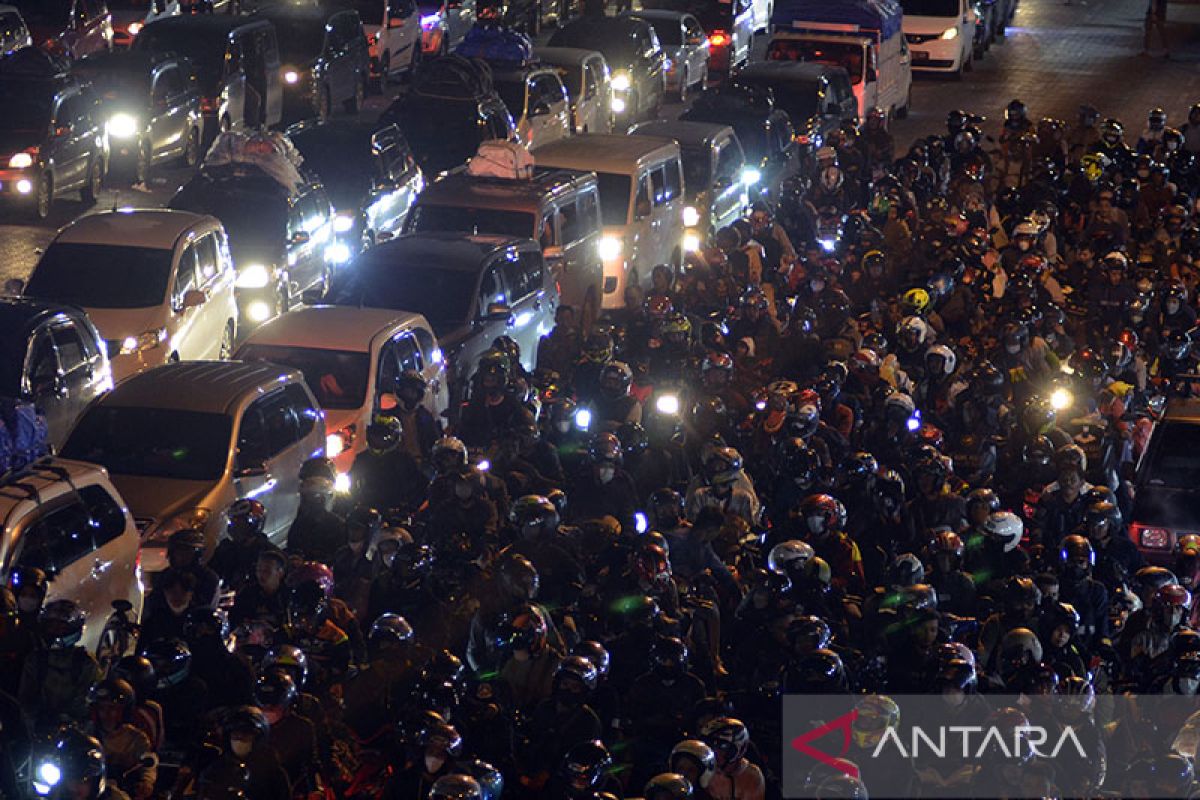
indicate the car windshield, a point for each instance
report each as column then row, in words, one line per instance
column 614, row 198
column 101, row 275
column 42, row 13
column 253, row 220
column 669, row 30
column 205, row 48
column 342, row 159
column 512, row 92
column 116, row 84
column 130, row 5
column 463, row 219
column 572, row 78
column 1174, row 464
column 153, row 442
column 614, row 41
column 697, row 169
column 442, row 136
column 338, row 378
column 798, row 100
column 26, row 110
column 371, row 11
column 443, row 296
column 835, row 54
column 300, row 40
column 930, row 8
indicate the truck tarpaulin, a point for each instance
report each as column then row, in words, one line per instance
column 873, row 15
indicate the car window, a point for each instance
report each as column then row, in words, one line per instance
column 693, row 31
column 531, row 270
column 59, row 538
column 589, row 211
column 426, row 346
column 642, row 199
column 514, row 277
column 206, row 259
column 108, row 518
column 348, row 27
column 569, row 229
column 306, row 414
column 674, row 182
column 547, row 89
column 389, row 368
column 43, row 362
column 185, row 274
column 590, row 80
column 71, row 352
column 730, row 160
column 269, row 427
column 407, row 352
column 169, row 83
column 491, row 289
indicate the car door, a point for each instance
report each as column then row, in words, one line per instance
column 548, row 109
column 305, row 253
column 589, row 112
column 696, row 46
column 339, row 65
column 493, row 296
column 42, row 381
column 307, row 439
column 186, row 330
column 169, row 115
column 79, row 366
column 403, row 32
column 267, row 432
column 69, row 143
column 209, row 327
column 743, row 32
column 665, row 191
column 397, row 182
column 437, row 400
column 729, row 193
column 234, row 81
column 525, row 300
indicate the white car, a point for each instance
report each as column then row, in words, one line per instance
column 585, row 75
column 67, row 519
column 940, row 34
column 538, row 103
column 350, row 358
column 159, row 285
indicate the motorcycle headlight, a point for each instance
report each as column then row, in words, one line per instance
column 583, row 419
column 828, row 245
column 254, row 276
column 610, row 248
column 667, row 404
column 46, row 777
column 691, row 217
column 342, row 223
column 1060, row 399
column 621, row 81
column 640, row 523
column 291, row 77
column 122, row 126
column 751, row 176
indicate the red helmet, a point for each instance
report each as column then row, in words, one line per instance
column 314, row 572
column 948, row 542
column 1173, row 595
column 824, row 507
column 650, row 563
column 658, row 306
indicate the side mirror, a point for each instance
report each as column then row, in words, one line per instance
column 552, row 253
column 193, row 298
column 14, row 286
column 301, row 237
column 497, row 311
column 540, row 110
column 311, row 297
column 395, row 22
column 62, row 130
column 258, row 470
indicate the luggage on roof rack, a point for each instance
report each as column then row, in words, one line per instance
column 24, row 436
column 453, row 76
column 496, row 45
column 498, row 158
column 33, row 62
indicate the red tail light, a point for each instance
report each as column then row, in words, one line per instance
column 208, row 105
column 718, row 38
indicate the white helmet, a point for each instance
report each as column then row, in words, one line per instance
column 826, row 153
column 1006, row 527
column 831, row 179
column 702, row 753
column 949, row 360
column 784, row 554
column 1026, row 227
column 913, row 332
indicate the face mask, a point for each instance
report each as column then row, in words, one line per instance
column 817, row 286
column 606, row 474
column 1023, row 244
column 433, row 763
column 1172, row 306
column 27, row 605
column 1012, row 349
column 178, row 609
column 241, row 747
column 462, row 491
column 273, row 715
column 816, row 524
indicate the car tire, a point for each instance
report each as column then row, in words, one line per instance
column 902, row 112
column 225, row 352
column 191, row 151
column 683, row 86
column 141, row 169
column 43, row 199
column 385, row 71
column 355, row 102
column 91, row 190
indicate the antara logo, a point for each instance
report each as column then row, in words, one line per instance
column 844, row 723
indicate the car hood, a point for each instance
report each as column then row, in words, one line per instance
column 156, row 499
column 16, row 141
column 928, row 25
column 1169, row 508
column 122, row 19
column 117, row 323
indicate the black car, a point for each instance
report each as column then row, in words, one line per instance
column 279, row 239
column 370, row 175
column 325, row 59
column 151, row 109
column 817, row 98
column 766, row 133
column 51, row 136
column 632, row 50
column 451, row 107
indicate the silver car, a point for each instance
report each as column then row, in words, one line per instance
column 685, row 44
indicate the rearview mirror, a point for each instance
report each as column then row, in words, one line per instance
column 252, row 471
column 498, row 311
column 552, row 253
column 193, row 298
column 301, row 237
column 395, row 22
column 311, row 297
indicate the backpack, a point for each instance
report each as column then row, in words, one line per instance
column 497, row 45
column 453, row 76
column 498, row 158
column 24, row 436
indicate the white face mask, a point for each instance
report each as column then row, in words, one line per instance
column 1172, row 306
column 241, row 747
column 606, row 474
column 1012, row 349
column 178, row 608
column 433, row 763
column 816, row 524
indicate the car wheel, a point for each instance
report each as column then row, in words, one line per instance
column 683, row 86
column 142, row 168
column 385, row 71
column 44, row 199
column 91, row 189
column 191, row 151
column 360, row 91
column 226, row 351
column 902, row 112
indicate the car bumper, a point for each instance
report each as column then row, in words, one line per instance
column 18, row 183
column 125, row 365
column 937, row 55
column 256, row 306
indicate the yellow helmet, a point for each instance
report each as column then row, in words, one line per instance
column 915, row 301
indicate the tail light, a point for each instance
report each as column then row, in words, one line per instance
column 718, row 39
column 208, row 105
column 1150, row 537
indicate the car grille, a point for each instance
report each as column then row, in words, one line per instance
column 921, row 38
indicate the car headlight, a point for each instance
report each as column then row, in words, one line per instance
column 750, row 176
column 254, row 276
column 336, row 443
column 122, row 126
column 341, row 483
column 668, row 64
column 46, row 777
column 691, row 242
column 950, row 33
column 291, row 77
column 134, row 28
column 337, row 253
column 667, row 404
column 342, row 223
column 621, row 81
column 21, row 161
column 618, row 105
column 610, row 248
column 691, row 217
column 147, row 340
column 430, row 21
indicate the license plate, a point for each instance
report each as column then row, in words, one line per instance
column 920, row 56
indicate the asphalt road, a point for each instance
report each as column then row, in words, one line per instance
column 1055, row 57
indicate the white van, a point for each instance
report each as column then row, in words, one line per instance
column 641, row 202
column 941, row 34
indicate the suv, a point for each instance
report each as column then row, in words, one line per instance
column 183, row 442
column 1166, row 499
column 471, row 288
column 66, row 518
column 158, row 284
column 51, row 138
column 54, row 357
column 237, row 63
column 150, row 107
column 73, row 28
column 13, row 33
column 818, row 98
column 325, row 59
column 130, row 16
column 537, row 102
column 558, row 207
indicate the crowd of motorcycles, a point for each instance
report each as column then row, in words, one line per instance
column 877, row 438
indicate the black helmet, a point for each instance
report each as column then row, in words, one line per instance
column 366, row 518
column 318, row 467
column 172, row 661
column 114, row 691
column 384, row 433
column 666, row 498
column 276, row 689
column 138, row 671
column 390, row 630
column 536, row 513
column 75, row 756
column 595, row 653
column 605, row 448
column 247, row 719
column 579, row 670
column 456, row 787
column 615, row 379
column 246, row 517
column 22, row 578
column 633, row 438
column 449, row 455
column 669, row 657
column 585, row 764
column 411, row 379
column 291, row 659
column 667, row 786
column 62, row 622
